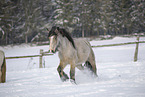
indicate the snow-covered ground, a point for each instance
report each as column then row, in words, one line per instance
column 119, row 76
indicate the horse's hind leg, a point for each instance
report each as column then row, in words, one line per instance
column 62, row 74
column 3, row 77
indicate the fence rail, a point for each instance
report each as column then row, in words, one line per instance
column 29, row 56
column 119, row 44
column 108, row 45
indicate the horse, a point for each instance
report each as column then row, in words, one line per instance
column 2, row 67
column 71, row 51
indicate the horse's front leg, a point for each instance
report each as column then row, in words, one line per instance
column 62, row 74
column 72, row 73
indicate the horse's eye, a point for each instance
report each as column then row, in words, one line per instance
column 55, row 37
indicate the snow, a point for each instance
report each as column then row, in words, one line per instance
column 119, row 76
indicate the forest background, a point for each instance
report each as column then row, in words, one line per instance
column 25, row 21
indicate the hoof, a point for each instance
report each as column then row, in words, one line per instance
column 63, row 79
column 73, row 81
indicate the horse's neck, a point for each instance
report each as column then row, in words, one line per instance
column 66, row 50
column 65, row 45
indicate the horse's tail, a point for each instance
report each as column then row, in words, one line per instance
column 91, row 63
column 88, row 65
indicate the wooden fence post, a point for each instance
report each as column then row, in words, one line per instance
column 136, row 50
column 40, row 58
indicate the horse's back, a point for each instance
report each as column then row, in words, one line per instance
column 81, row 41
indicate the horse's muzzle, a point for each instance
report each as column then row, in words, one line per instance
column 55, row 50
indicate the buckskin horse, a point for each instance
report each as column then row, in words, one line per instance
column 71, row 51
column 2, row 67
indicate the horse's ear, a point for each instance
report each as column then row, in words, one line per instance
column 57, row 30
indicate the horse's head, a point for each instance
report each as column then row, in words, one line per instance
column 53, row 38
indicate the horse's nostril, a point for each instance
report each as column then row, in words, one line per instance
column 52, row 51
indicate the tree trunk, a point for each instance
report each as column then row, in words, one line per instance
column 26, row 38
column 83, row 33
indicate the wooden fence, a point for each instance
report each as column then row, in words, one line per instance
column 29, row 56
column 42, row 53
